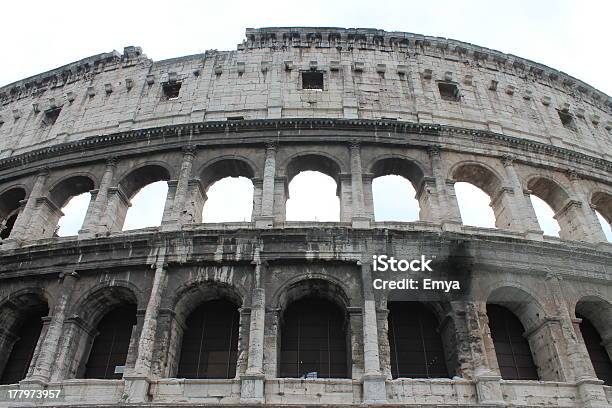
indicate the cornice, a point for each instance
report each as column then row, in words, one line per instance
column 230, row 128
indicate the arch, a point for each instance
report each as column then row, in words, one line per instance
column 519, row 300
column 391, row 175
column 416, row 346
column 226, row 166
column 70, row 186
column 314, row 339
column 315, row 161
column 549, row 190
column 514, row 356
column 142, row 176
column 396, row 165
column 595, row 324
column 10, row 205
column 190, row 295
column 103, row 297
column 21, row 314
column 482, row 176
column 603, row 204
column 325, row 286
column 109, row 351
column 209, row 347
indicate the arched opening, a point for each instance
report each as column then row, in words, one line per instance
column 313, row 189
column 546, row 216
column 22, row 324
column 394, row 190
column 108, row 355
column 314, row 340
column 417, row 349
column 10, row 204
column 596, row 331
column 210, row 341
column 597, row 353
column 482, row 201
column 603, row 205
column 229, row 191
column 74, row 214
column 511, row 348
column 549, row 202
column 71, row 195
column 474, row 206
column 141, row 197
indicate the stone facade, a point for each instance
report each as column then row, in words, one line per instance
column 112, row 123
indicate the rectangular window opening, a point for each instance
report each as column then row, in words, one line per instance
column 171, row 90
column 567, row 120
column 51, row 115
column 235, row 118
column 312, row 80
column 448, row 91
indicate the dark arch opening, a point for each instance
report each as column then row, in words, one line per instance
column 416, row 346
column 314, row 340
column 68, row 188
column 210, row 341
column 27, row 332
column 597, row 353
column 10, row 203
column 603, row 203
column 109, row 351
column 512, row 349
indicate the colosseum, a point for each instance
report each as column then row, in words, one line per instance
column 276, row 312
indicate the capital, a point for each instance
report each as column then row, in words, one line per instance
column 271, row 145
column 433, row 150
column 111, row 161
column 508, row 160
column 43, row 171
column 189, row 150
column 573, row 175
column 354, row 144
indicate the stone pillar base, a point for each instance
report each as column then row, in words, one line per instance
column 137, row 389
column 374, row 389
column 32, row 383
column 534, row 235
column 170, row 226
column 488, row 390
column 252, row 389
column 10, row 243
column 452, row 226
column 264, row 222
column 591, row 393
column 361, row 222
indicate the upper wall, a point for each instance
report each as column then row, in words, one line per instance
column 367, row 74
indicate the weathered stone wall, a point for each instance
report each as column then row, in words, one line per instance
column 111, row 141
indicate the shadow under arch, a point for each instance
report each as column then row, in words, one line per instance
column 320, row 162
column 595, row 324
column 136, row 179
column 406, row 167
column 10, row 205
column 549, row 190
column 603, row 204
column 21, row 314
column 196, row 308
column 226, row 166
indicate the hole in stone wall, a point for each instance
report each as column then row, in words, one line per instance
column 7, row 225
column 605, row 225
column 313, row 198
column 50, row 116
column 229, row 200
column 567, row 120
column 171, row 90
column 394, row 199
column 235, row 118
column 474, row 205
column 74, row 215
column 147, row 207
column 546, row 216
column 448, row 91
column 312, row 80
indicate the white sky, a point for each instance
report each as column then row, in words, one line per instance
column 571, row 36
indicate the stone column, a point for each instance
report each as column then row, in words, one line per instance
column 93, row 222
column 252, row 382
column 20, row 232
column 482, row 354
column 137, row 384
column 181, row 194
column 344, row 193
column 49, row 344
column 368, row 196
column 450, row 216
column 592, row 230
column 590, row 391
column 359, row 218
column 281, row 193
column 266, row 216
column 374, row 389
column 522, row 215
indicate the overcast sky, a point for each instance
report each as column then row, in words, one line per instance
column 571, row 36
